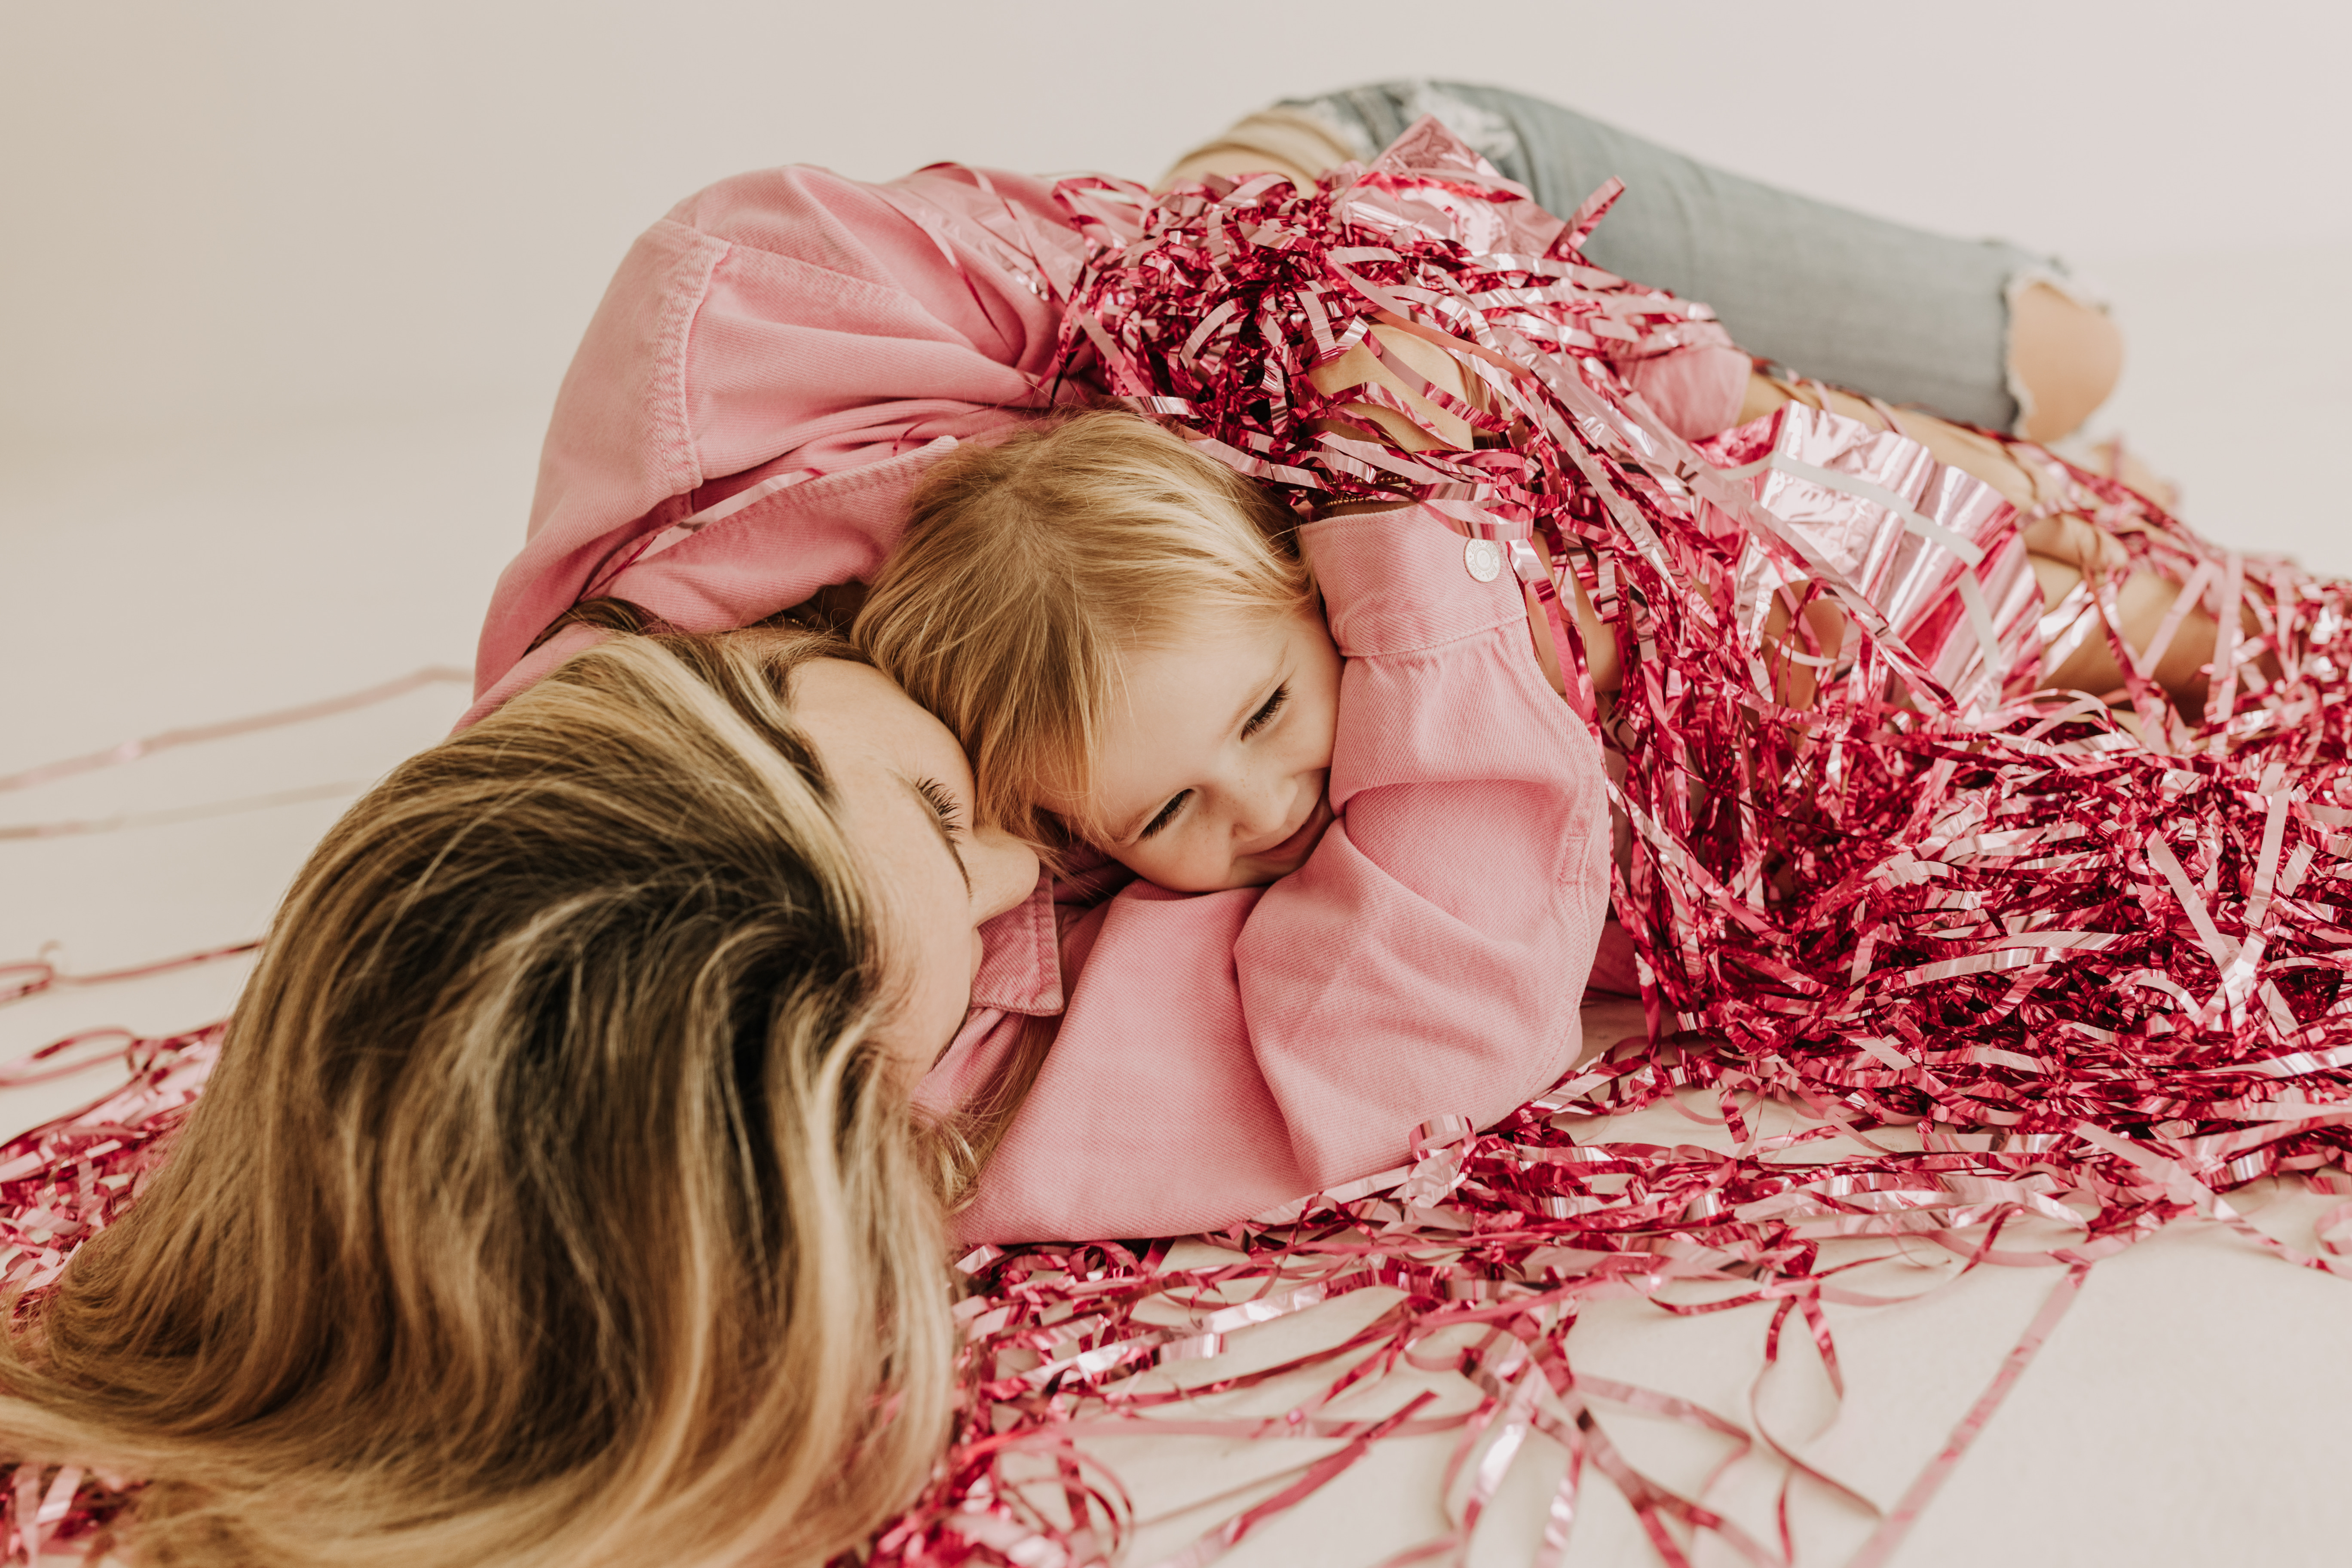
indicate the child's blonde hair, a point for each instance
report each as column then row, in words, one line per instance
column 557, row 1190
column 1034, row 564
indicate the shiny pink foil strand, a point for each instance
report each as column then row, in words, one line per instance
column 32, row 976
column 1888, row 1537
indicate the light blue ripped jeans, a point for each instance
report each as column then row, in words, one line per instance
column 1909, row 316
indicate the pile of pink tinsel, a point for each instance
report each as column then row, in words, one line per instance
column 60, row 1184
column 2070, row 985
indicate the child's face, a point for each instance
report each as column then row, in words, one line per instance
column 1212, row 772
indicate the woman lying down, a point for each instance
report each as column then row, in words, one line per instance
column 577, row 1172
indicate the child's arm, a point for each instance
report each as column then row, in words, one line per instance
column 1225, row 1052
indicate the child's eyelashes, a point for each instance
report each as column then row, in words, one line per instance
column 1256, row 721
column 942, row 800
column 1264, row 716
column 1167, row 814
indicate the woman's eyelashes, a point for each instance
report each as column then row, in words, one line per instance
column 1264, row 716
column 942, row 800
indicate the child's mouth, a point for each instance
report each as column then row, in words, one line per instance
column 1301, row 843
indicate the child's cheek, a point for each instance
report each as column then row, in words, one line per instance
column 1325, row 709
column 1179, row 866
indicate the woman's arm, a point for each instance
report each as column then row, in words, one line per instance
column 756, row 392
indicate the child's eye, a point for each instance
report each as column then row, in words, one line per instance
column 1167, row 814
column 1264, row 716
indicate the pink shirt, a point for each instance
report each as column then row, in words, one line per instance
column 769, row 372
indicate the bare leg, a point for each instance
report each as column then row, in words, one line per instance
column 2061, row 549
column 2064, row 357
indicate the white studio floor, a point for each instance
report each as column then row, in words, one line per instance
column 2189, row 1409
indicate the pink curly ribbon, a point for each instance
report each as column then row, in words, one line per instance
column 302, row 713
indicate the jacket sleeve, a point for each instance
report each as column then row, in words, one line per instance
column 1223, row 1052
column 774, row 364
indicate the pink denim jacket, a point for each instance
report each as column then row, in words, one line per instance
column 770, row 371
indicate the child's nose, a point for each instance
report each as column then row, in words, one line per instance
column 1261, row 810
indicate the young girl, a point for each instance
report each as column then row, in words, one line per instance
column 1212, row 1054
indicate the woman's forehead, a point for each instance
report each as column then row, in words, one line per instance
column 855, row 705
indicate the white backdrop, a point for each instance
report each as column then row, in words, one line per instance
column 305, row 209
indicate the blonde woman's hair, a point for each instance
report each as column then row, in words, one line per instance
column 1034, row 564
column 556, row 1200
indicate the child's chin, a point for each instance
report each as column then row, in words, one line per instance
column 1253, row 872
column 1259, row 869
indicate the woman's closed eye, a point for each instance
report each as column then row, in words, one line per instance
column 1264, row 716
column 942, row 800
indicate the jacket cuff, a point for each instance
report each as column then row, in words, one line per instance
column 1402, row 580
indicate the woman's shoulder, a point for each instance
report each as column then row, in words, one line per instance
column 816, row 215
